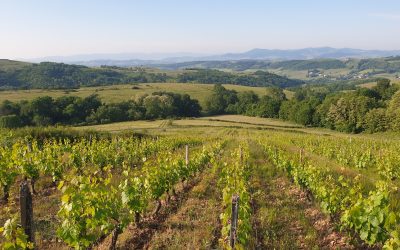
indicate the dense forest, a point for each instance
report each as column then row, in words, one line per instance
column 72, row 110
column 49, row 75
column 370, row 110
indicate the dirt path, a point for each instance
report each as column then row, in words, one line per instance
column 283, row 217
column 196, row 224
column 193, row 226
column 139, row 237
column 191, row 221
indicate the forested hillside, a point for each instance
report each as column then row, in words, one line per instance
column 389, row 65
column 47, row 75
column 241, row 65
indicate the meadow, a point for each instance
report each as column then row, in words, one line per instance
column 117, row 93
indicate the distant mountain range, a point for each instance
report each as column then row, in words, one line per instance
column 304, row 54
column 137, row 59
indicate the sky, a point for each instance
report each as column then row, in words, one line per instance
column 39, row 28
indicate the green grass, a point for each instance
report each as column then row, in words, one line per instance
column 117, row 93
column 206, row 123
column 242, row 119
column 222, row 121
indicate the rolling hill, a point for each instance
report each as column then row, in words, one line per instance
column 49, row 75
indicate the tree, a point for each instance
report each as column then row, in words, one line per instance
column 376, row 121
column 371, row 93
column 43, row 111
column 9, row 108
column 276, row 94
column 323, row 109
column 268, row 107
column 64, row 106
column 107, row 114
column 348, row 113
column 220, row 99
column 304, row 113
column 393, row 112
column 40, row 120
column 188, row 107
column 158, row 106
column 382, row 85
column 244, row 104
column 183, row 105
column 385, row 89
column 80, row 109
column 10, row 121
column 285, row 111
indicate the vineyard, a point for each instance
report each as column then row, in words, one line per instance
column 232, row 188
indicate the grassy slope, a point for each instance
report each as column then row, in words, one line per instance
column 223, row 121
column 211, row 124
column 117, row 93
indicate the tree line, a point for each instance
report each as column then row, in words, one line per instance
column 259, row 78
column 353, row 111
column 371, row 110
column 73, row 110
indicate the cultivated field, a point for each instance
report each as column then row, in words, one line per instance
column 297, row 186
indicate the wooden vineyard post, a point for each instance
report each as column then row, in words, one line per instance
column 241, row 154
column 301, row 156
column 186, row 163
column 187, row 155
column 234, row 220
column 26, row 210
column 29, row 146
column 114, row 237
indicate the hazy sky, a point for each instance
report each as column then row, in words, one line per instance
column 36, row 28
